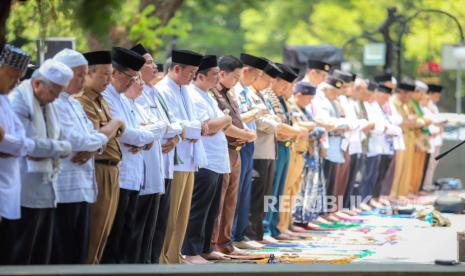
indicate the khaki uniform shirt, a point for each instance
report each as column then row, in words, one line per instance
column 98, row 113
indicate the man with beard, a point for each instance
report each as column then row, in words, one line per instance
column 29, row 239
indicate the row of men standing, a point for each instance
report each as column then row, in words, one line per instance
column 100, row 135
column 109, row 168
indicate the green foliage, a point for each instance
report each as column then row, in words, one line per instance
column 23, row 27
column 147, row 29
column 215, row 26
column 95, row 17
column 143, row 30
column 261, row 27
column 267, row 27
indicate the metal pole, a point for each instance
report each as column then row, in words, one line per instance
column 399, row 58
column 458, row 89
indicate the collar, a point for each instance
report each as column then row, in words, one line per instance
column 147, row 88
column 195, row 87
column 64, row 95
column 172, row 83
column 221, row 89
column 91, row 93
column 253, row 90
column 112, row 91
column 239, row 88
column 128, row 99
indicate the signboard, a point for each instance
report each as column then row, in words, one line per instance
column 53, row 45
column 374, row 54
column 448, row 59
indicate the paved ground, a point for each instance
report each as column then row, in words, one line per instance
column 411, row 248
column 422, row 245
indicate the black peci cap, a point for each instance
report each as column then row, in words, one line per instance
column 127, row 58
column 98, row 57
column 272, row 70
column 287, row 73
column 434, row 88
column 139, row 49
column 253, row 61
column 186, row 57
column 208, row 61
column 406, row 86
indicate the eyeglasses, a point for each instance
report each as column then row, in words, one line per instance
column 132, row 78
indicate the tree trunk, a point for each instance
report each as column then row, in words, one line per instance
column 164, row 9
column 5, row 6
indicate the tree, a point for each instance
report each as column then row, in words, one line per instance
column 165, row 11
column 260, row 27
column 95, row 24
column 4, row 13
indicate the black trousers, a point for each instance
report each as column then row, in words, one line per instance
column 148, row 204
column 29, row 239
column 329, row 171
column 385, row 161
column 262, row 184
column 160, row 227
column 146, row 209
column 71, row 233
column 122, row 244
column 206, row 199
column 357, row 163
column 370, row 176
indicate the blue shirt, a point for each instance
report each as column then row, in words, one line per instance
column 245, row 102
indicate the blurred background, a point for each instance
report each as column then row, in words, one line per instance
column 416, row 40
column 412, row 39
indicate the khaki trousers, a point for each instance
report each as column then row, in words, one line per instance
column 417, row 171
column 103, row 211
column 291, row 189
column 178, row 217
column 222, row 233
column 432, row 164
column 404, row 165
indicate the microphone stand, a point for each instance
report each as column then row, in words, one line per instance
column 448, row 151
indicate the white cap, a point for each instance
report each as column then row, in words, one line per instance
column 71, row 58
column 56, row 72
column 421, row 86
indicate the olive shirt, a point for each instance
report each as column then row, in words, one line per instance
column 99, row 114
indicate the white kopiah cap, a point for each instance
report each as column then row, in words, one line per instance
column 71, row 58
column 421, row 86
column 56, row 72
